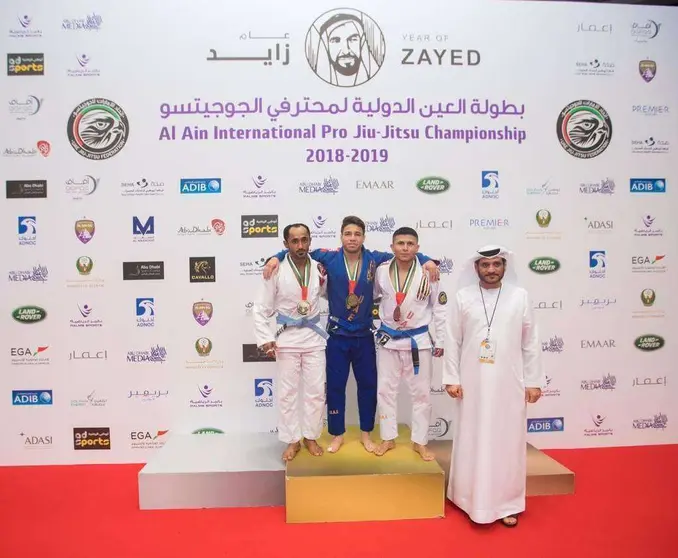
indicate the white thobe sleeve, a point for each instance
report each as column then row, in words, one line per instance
column 263, row 311
column 533, row 370
column 439, row 314
column 453, row 340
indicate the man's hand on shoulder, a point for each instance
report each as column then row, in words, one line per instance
column 433, row 271
column 271, row 268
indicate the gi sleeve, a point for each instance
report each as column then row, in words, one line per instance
column 533, row 370
column 454, row 338
column 264, row 310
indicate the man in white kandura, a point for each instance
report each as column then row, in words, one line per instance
column 492, row 368
column 410, row 302
column 298, row 344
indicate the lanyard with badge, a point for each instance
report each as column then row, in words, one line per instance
column 487, row 347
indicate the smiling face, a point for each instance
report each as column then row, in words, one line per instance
column 490, row 271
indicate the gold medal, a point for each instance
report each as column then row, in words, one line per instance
column 352, row 301
column 304, row 307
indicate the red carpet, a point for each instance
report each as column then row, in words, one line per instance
column 626, row 506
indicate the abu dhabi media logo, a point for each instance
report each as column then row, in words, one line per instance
column 260, row 191
column 29, row 356
column 142, row 188
column 200, row 186
column 489, row 185
column 327, row 185
column 554, row 424
column 555, row 344
column 21, row 110
column 597, row 264
column 605, row 187
column 88, row 318
column 91, row 22
column 599, row 427
column 39, row 274
column 607, row 383
column 321, row 231
column 659, row 421
column 584, row 129
column 215, row 226
column 446, row 266
column 263, row 392
column 23, row 152
column 79, row 188
column 24, row 28
column 97, row 129
column 157, row 354
column 648, row 186
column 145, row 312
column 83, row 69
column 386, row 224
column 345, row 47
column 205, row 398
column 27, row 230
column 651, row 146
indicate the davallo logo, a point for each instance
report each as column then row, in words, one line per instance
column 649, row 342
column 544, row 265
column 29, row 314
column 433, row 185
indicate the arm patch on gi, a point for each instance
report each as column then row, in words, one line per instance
column 442, row 298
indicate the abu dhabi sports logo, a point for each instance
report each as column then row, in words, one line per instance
column 584, row 129
column 345, row 47
column 98, row 129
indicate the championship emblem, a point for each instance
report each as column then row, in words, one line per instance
column 202, row 312
column 84, row 265
column 203, row 346
column 84, row 230
column 647, row 69
column 370, row 271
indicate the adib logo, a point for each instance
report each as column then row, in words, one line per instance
column 433, row 185
column 32, row 397
column 556, row 424
column 544, row 265
column 648, row 185
column 200, row 186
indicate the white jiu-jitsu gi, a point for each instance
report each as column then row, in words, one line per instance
column 422, row 319
column 488, row 469
column 300, row 353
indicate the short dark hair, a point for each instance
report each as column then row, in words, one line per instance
column 286, row 230
column 353, row 220
column 409, row 231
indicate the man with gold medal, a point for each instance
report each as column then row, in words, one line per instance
column 350, row 273
column 298, row 343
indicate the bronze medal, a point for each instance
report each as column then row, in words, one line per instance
column 396, row 314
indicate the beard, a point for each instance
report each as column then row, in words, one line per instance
column 349, row 69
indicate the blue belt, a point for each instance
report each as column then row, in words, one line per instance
column 310, row 323
column 402, row 334
column 351, row 327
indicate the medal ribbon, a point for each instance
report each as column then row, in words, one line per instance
column 400, row 295
column 352, row 277
column 303, row 281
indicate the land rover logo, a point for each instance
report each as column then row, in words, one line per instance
column 649, row 342
column 544, row 265
column 433, row 185
column 29, row 314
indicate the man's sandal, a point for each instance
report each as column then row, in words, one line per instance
column 507, row 520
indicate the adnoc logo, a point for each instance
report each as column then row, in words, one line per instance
column 649, row 342
column 544, row 265
column 433, row 185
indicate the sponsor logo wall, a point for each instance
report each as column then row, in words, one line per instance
column 136, row 221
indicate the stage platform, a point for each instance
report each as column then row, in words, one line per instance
column 353, row 485
column 214, row 471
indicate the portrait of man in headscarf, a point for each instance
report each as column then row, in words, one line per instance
column 345, row 48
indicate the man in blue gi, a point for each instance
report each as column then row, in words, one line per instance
column 350, row 285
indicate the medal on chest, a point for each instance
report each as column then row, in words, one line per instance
column 352, row 300
column 400, row 289
column 303, row 306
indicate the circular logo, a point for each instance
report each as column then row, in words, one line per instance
column 543, row 218
column 345, row 47
column 584, row 129
column 98, row 129
column 648, row 296
column 84, row 265
column 203, row 346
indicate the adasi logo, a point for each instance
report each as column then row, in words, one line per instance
column 649, row 342
column 544, row 265
column 584, row 129
column 29, row 314
column 92, row 438
column 433, row 185
column 98, row 129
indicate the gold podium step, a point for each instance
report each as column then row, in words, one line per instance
column 353, row 485
column 545, row 476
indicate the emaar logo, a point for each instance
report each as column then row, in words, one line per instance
column 263, row 392
column 648, row 185
column 200, row 186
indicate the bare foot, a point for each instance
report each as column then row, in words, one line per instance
column 510, row 520
column 335, row 444
column 313, row 447
column 425, row 453
column 291, row 451
column 366, row 441
column 385, row 446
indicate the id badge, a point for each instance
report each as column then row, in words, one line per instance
column 487, row 352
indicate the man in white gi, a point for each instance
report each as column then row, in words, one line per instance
column 298, row 344
column 492, row 368
column 410, row 303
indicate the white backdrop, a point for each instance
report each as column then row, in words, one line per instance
column 117, row 362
